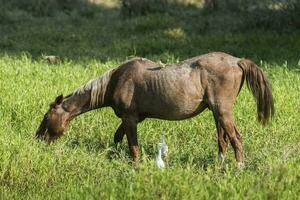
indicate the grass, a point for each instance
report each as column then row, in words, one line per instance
column 85, row 164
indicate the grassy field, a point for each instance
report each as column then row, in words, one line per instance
column 85, row 164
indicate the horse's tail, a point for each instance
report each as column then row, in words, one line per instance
column 260, row 87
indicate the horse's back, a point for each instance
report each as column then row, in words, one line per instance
column 175, row 91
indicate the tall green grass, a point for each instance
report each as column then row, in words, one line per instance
column 85, row 164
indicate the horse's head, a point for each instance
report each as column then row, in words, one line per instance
column 55, row 121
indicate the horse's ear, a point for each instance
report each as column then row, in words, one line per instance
column 59, row 99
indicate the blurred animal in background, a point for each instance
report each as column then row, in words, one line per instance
column 52, row 59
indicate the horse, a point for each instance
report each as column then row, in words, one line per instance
column 140, row 88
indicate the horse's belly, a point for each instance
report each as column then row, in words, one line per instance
column 176, row 111
column 171, row 97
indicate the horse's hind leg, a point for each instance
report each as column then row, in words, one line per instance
column 224, row 117
column 238, row 136
column 222, row 141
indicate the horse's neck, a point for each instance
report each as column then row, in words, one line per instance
column 89, row 96
column 77, row 104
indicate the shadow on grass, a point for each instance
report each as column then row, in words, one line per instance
column 100, row 146
column 121, row 153
column 101, row 33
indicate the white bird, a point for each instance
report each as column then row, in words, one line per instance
column 162, row 151
column 159, row 161
column 165, row 149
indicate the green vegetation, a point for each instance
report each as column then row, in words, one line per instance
column 85, row 164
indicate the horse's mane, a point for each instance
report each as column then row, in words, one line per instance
column 97, row 88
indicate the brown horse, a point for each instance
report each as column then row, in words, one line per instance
column 140, row 88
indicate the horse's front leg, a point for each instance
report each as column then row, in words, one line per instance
column 119, row 134
column 130, row 128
